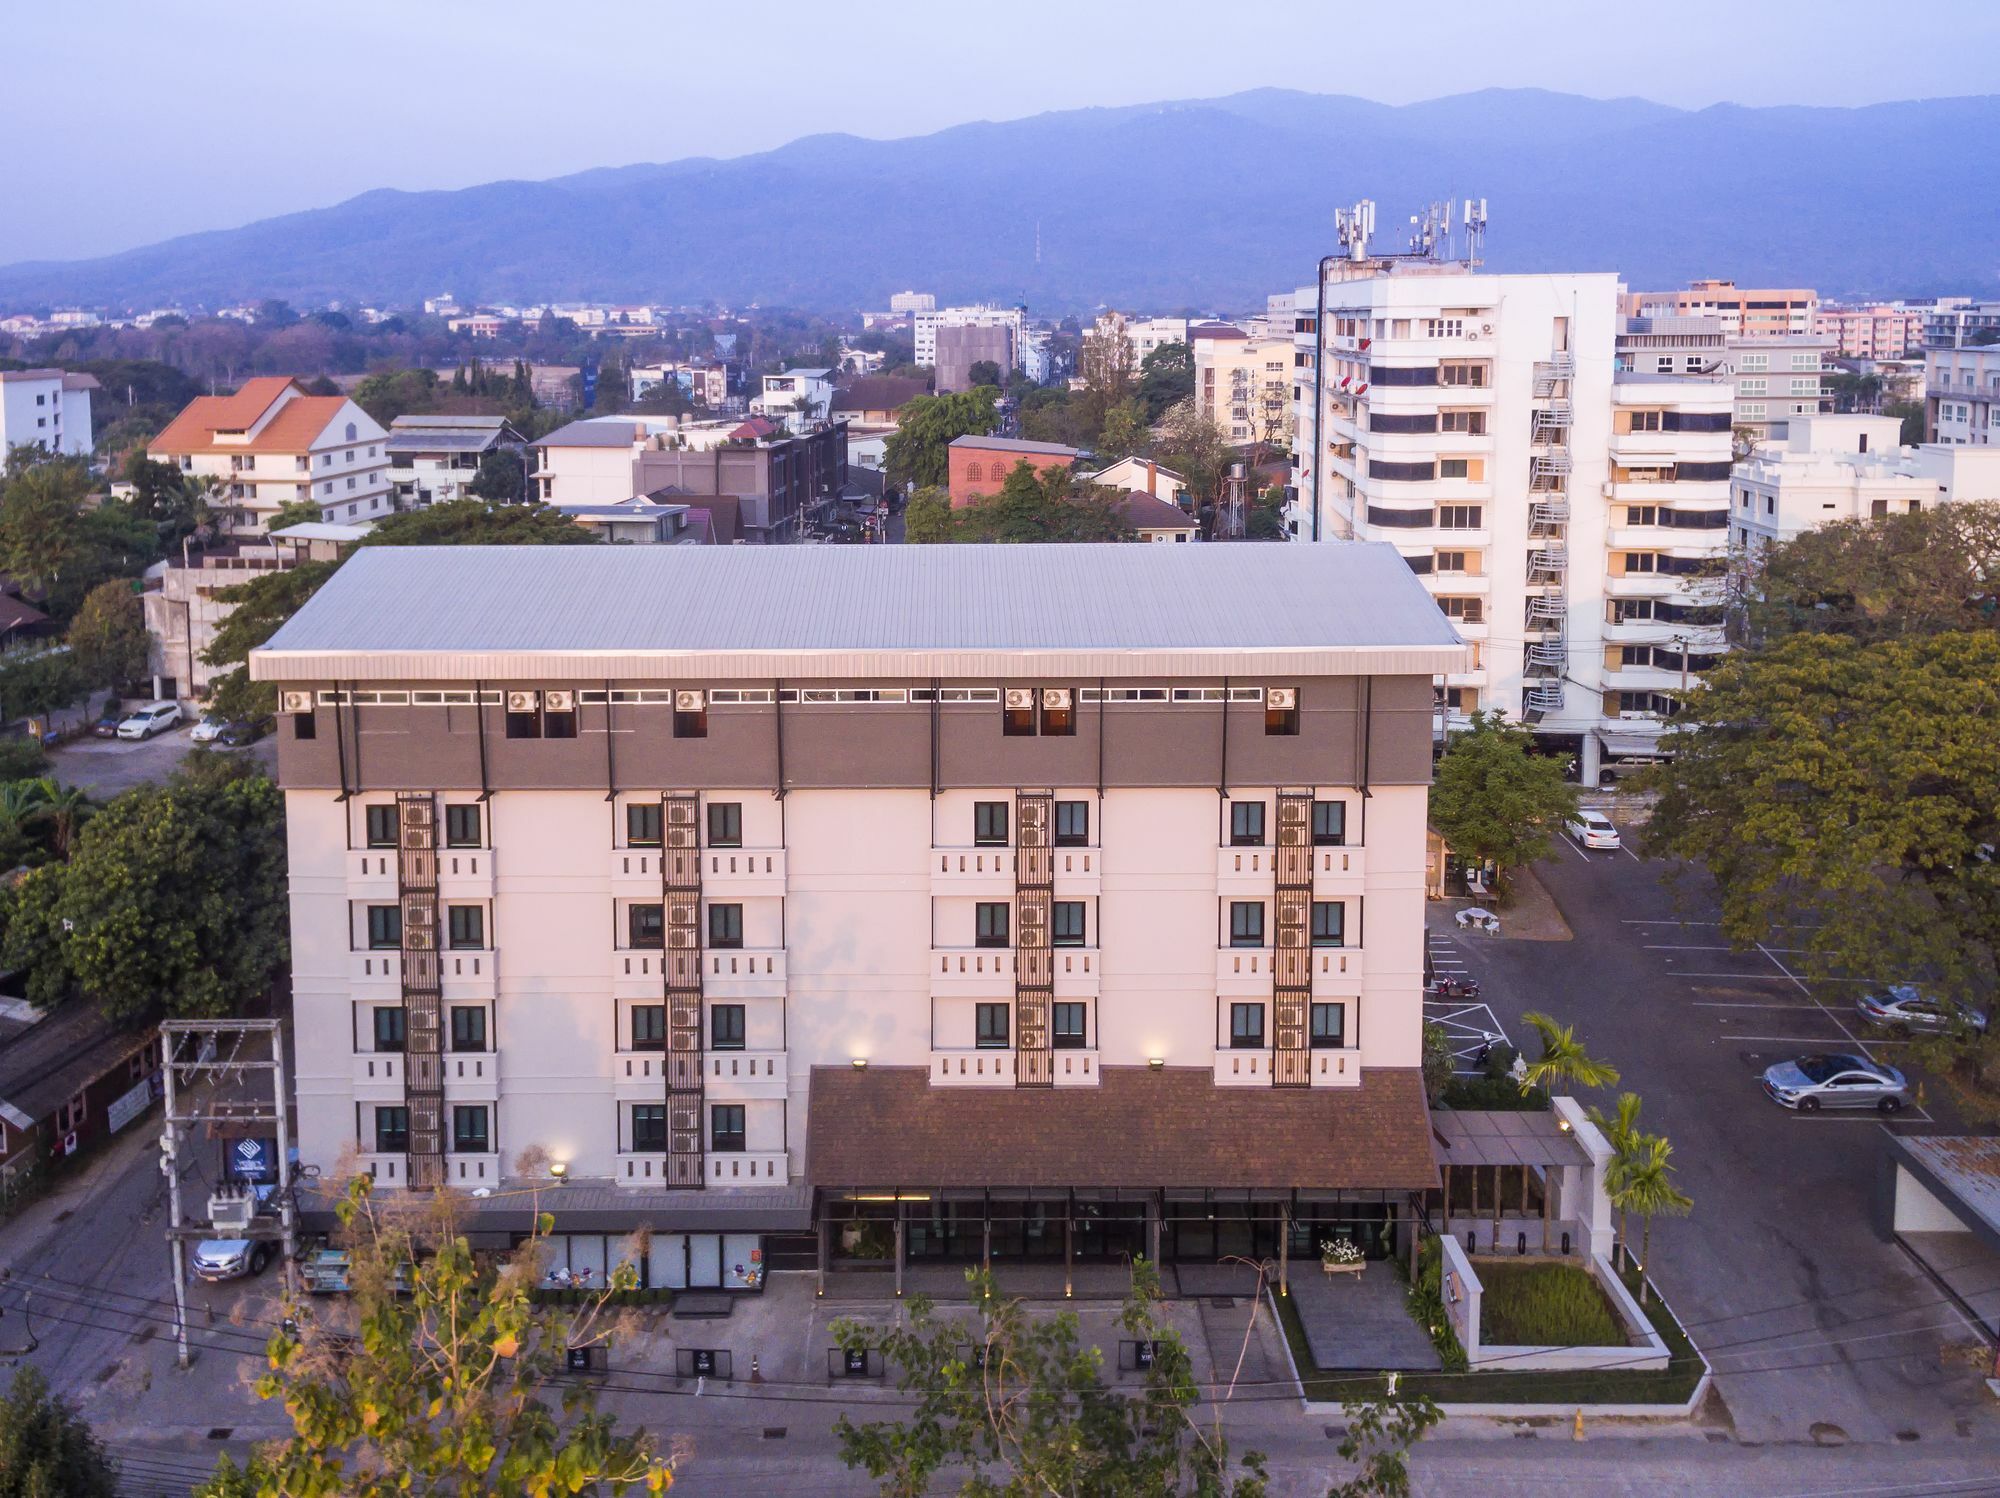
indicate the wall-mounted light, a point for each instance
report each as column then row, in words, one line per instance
column 560, row 1169
column 1156, row 1063
column 860, row 1063
column 1563, row 1124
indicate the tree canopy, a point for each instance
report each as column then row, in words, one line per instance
column 1493, row 799
column 917, row 452
column 1166, row 378
column 107, row 638
column 56, row 546
column 1033, row 506
column 47, row 1449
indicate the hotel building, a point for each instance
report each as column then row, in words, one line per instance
column 834, row 905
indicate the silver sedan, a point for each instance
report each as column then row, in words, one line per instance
column 1836, row 1081
column 1905, row 1006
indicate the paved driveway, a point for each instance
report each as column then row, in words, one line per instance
column 104, row 767
column 1817, row 1325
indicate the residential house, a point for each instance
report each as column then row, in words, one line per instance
column 1154, row 519
column 1244, row 385
column 1145, row 475
column 434, row 459
column 68, row 1079
column 798, row 397
column 643, row 521
column 45, row 408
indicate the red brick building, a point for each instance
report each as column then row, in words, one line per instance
column 980, row 465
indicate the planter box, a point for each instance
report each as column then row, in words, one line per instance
column 1354, row 1269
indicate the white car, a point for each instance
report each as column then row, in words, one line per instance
column 1592, row 829
column 154, row 717
column 208, row 730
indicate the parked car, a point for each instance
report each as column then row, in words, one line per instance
column 244, row 731
column 154, row 717
column 1836, row 1081
column 1907, row 1007
column 106, row 727
column 1593, row 829
column 208, row 730
column 217, row 1259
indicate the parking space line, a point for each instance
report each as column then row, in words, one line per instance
column 1565, row 838
column 1718, row 1004
column 1818, row 1040
column 1629, row 853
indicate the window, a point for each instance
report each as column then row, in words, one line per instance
column 385, row 927
column 469, row 1135
column 1329, row 1026
column 691, row 723
column 1465, row 610
column 1281, row 714
column 1329, row 824
column 1329, row 923
column 1638, row 561
column 649, row 1027
column 975, row 472
column 1460, row 517
column 1072, row 824
column 559, row 725
column 1753, row 387
column 524, row 724
column 725, row 1027
column 642, row 824
column 1246, row 824
column 468, row 1027
column 725, row 925
column 1067, row 1026
column 382, row 826
column 989, row 824
column 1068, row 923
column 1406, row 472
column 1019, row 722
column 461, row 826
column 649, row 1126
column 391, row 1028
column 725, row 824
column 1448, row 561
column 392, row 1131
column 1642, row 514
column 1246, row 1027
column 466, row 925
column 350, row 481
column 991, row 1022
column 1246, row 923
column 725, row 1128
column 1754, row 362
column 1645, row 421
column 646, row 926
column 1472, row 423
column 1462, row 373
column 304, row 726
column 1454, row 468
column 1059, row 721
column 993, row 923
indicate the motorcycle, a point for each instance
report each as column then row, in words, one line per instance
column 1456, row 988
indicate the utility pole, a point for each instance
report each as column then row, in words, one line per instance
column 1682, row 641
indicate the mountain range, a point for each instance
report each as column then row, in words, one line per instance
column 1197, row 205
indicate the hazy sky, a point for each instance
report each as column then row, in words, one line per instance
column 127, row 121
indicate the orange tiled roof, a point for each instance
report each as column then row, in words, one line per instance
column 293, row 429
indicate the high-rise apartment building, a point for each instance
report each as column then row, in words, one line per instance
column 1962, row 395
column 1769, row 312
column 912, row 301
column 1960, row 322
column 848, row 903
column 1244, row 384
column 1568, row 513
column 925, row 323
column 45, row 408
column 1893, row 330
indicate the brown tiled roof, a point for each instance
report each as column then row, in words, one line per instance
column 887, row 1127
column 1148, row 512
column 292, row 430
column 879, row 393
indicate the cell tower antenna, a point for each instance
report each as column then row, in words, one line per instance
column 1038, row 241
column 1475, row 231
column 1354, row 226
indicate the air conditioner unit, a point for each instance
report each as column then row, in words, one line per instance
column 295, row 702
column 1486, row 329
column 1056, row 699
column 688, row 702
column 523, row 702
column 1020, row 699
column 1472, row 337
column 559, row 702
column 1282, row 699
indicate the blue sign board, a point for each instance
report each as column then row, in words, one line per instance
column 589, row 386
column 253, row 1161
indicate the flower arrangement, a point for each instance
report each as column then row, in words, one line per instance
column 1341, row 1251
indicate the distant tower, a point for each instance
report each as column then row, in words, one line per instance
column 1038, row 241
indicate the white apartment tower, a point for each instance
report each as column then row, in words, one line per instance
column 925, row 321
column 1569, row 515
column 815, row 904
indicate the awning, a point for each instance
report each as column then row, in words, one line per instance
column 1629, row 745
column 1506, row 1137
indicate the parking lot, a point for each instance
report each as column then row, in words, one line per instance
column 104, row 767
column 1818, row 1326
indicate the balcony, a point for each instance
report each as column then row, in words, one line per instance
column 379, row 1075
column 466, row 973
column 1684, row 588
column 1248, row 972
column 732, row 1076
column 1341, row 872
column 471, row 1076
column 959, row 1066
column 371, row 874
column 1076, row 972
column 1079, row 871
column 1245, row 870
column 739, row 873
column 1678, row 539
column 1681, row 492
column 638, row 1076
column 973, row 872
column 1340, row 1067
column 972, row 972
column 465, row 873
column 762, row 1168
column 744, row 973
column 1242, row 1068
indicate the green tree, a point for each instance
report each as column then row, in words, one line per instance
column 1621, row 1132
column 984, row 372
column 928, row 518
column 1643, row 1183
column 1036, row 506
column 294, row 512
column 1266, row 521
column 917, row 452
column 1911, row 414
column 1493, row 800
column 1564, row 1063
column 1841, row 793
column 503, row 478
column 1380, row 1432
column 1438, row 1061
column 41, row 522
column 390, row 393
column 442, row 1392
column 173, row 898
column 33, row 686
column 1014, row 1405
column 176, row 502
column 47, row 1450
column 1166, row 378
column 107, row 638
column 1194, row 447
column 1125, row 431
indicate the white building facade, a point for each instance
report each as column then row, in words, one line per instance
column 838, row 885
column 1962, row 395
column 45, row 408
column 925, row 322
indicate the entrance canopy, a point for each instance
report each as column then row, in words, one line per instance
column 887, row 1128
column 1504, row 1137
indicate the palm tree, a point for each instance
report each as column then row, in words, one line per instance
column 64, row 809
column 1644, row 1185
column 1621, row 1132
column 1563, row 1060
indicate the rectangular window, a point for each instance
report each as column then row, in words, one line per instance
column 1067, row 930
column 642, row 824
column 1067, row 1026
column 559, row 725
column 1329, row 1026
column 461, row 826
column 1638, row 561
column 1453, row 468
column 304, row 726
column 466, row 925
column 725, row 1027
column 524, row 725
column 991, row 1020
column 392, row 1131
column 1465, row 610
column 725, row 824
column 468, row 1027
column 1448, row 562
column 1281, row 722
column 1329, row 923
column 1460, row 517
column 1246, row 923
column 725, row 925
column 989, row 824
column 994, row 917
column 725, row 1128
column 391, row 1030
column 1018, row 722
column 385, row 927
column 649, row 1027
column 691, row 723
column 382, row 826
column 1058, row 722
column 1472, row 423
column 1466, row 374
column 1246, row 824
column 1072, row 824
column 469, row 1135
column 1645, row 421
column 1246, row 1027
column 646, row 927
column 1329, row 824
column 649, row 1127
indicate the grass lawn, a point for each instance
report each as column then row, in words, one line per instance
column 1673, row 1384
column 1543, row 1305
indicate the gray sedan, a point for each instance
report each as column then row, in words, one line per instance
column 1905, row 1006
column 1836, row 1081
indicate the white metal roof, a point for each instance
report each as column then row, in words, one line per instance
column 548, row 613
